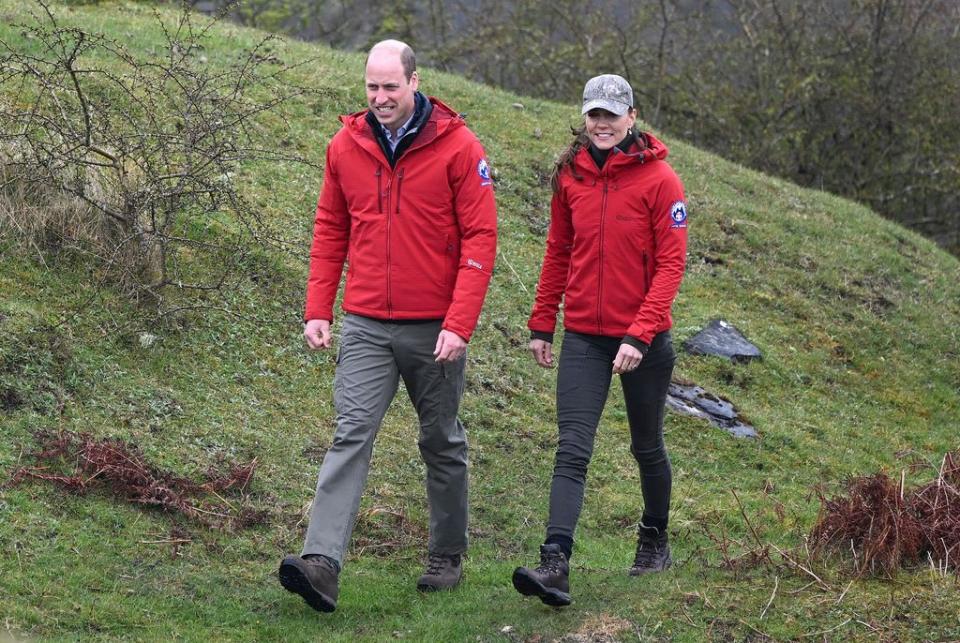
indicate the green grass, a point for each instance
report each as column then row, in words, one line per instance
column 858, row 320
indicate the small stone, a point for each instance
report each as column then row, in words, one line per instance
column 538, row 133
column 506, row 629
column 723, row 339
column 517, row 105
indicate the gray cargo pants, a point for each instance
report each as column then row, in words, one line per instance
column 373, row 356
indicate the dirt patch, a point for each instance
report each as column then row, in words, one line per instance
column 81, row 463
column 10, row 399
column 601, row 628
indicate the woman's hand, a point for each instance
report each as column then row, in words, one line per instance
column 542, row 352
column 627, row 359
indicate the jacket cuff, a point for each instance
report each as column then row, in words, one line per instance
column 539, row 334
column 630, row 340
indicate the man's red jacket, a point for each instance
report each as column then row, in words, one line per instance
column 616, row 249
column 419, row 238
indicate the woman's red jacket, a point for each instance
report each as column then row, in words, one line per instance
column 616, row 248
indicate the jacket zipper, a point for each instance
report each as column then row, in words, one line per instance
column 399, row 183
column 603, row 213
column 387, row 266
column 379, row 191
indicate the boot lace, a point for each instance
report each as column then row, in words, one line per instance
column 648, row 551
column 436, row 563
column 550, row 562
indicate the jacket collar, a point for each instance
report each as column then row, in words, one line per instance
column 619, row 160
column 438, row 121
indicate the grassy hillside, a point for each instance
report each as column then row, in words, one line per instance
column 858, row 320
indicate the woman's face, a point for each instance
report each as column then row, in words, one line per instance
column 606, row 129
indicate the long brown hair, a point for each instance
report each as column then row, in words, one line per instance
column 580, row 141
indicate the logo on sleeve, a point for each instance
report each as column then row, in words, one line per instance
column 484, row 171
column 678, row 214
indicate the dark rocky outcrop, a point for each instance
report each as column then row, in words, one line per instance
column 722, row 338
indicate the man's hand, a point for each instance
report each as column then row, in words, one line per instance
column 627, row 359
column 317, row 334
column 542, row 352
column 450, row 347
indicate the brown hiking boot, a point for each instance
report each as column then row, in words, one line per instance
column 315, row 578
column 550, row 581
column 443, row 572
column 653, row 551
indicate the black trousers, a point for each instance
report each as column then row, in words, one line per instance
column 583, row 383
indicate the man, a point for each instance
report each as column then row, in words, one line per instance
column 407, row 196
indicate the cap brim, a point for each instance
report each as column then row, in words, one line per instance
column 612, row 106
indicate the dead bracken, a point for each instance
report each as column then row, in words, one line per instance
column 885, row 526
column 81, row 463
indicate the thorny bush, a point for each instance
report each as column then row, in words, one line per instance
column 139, row 152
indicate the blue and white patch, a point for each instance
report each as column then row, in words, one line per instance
column 484, row 171
column 678, row 214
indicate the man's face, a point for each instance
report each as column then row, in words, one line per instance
column 390, row 95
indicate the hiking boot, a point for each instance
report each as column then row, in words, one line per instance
column 549, row 581
column 443, row 572
column 314, row 578
column 653, row 551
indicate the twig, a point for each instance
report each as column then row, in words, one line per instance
column 760, row 632
column 837, row 627
column 844, row 593
column 510, row 266
column 776, row 583
column 801, row 567
column 170, row 541
column 747, row 520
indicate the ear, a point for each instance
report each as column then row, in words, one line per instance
column 415, row 80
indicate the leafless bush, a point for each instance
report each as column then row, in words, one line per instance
column 886, row 526
column 131, row 158
column 80, row 463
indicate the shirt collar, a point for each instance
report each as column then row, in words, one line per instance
column 400, row 130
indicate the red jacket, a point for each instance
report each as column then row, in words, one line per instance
column 616, row 249
column 419, row 238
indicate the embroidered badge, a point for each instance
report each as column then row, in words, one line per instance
column 484, row 171
column 678, row 214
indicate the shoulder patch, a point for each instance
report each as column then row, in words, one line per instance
column 678, row 215
column 483, row 169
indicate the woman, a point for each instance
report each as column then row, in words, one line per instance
column 615, row 255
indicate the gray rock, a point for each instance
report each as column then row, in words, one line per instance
column 694, row 401
column 723, row 339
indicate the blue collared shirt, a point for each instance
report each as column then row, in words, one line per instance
column 394, row 141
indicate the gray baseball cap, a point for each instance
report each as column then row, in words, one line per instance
column 609, row 92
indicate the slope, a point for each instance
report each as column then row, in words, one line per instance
column 858, row 320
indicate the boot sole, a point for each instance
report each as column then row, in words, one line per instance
column 425, row 587
column 638, row 571
column 524, row 583
column 294, row 580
